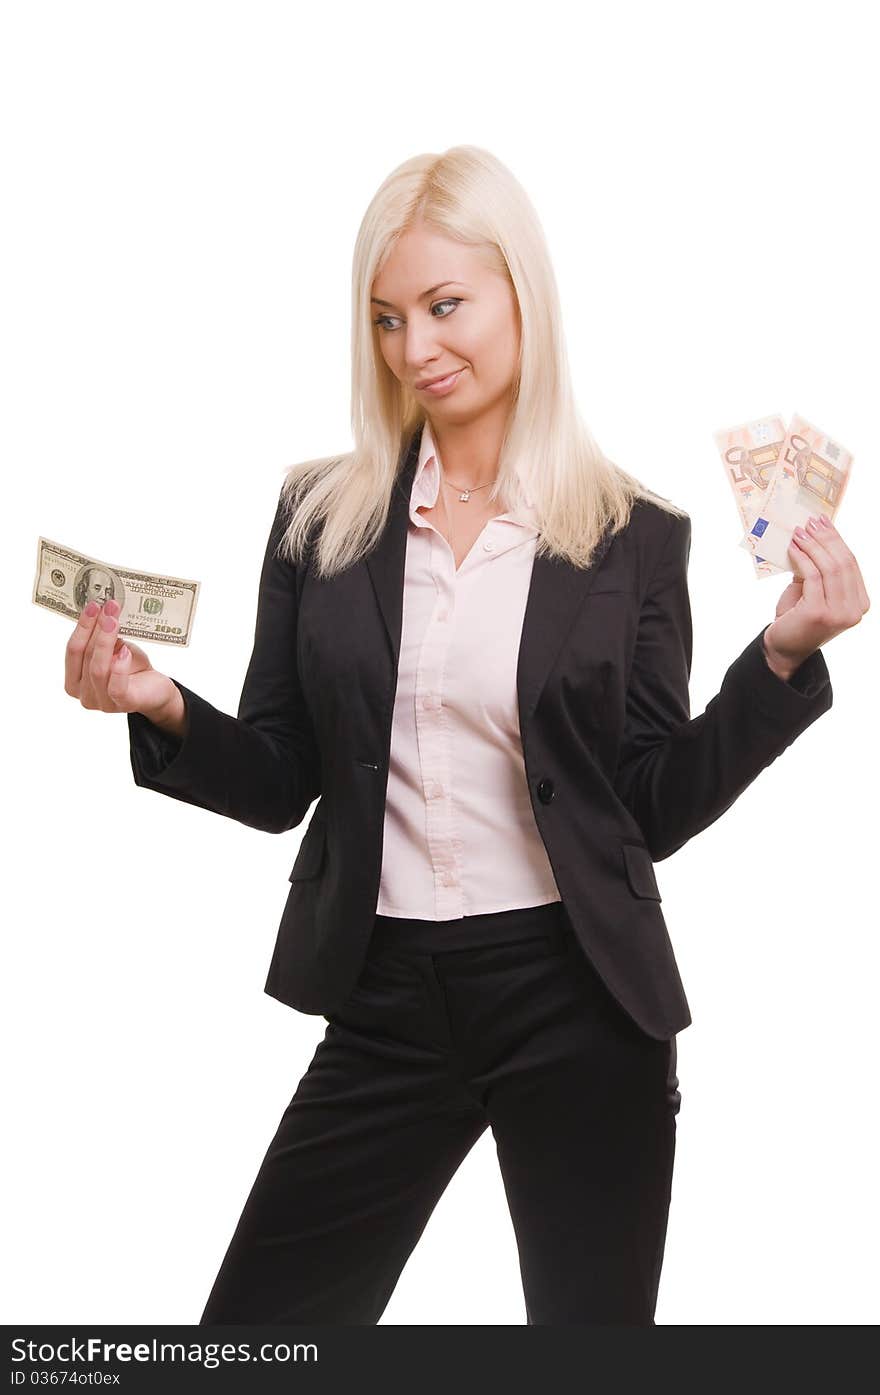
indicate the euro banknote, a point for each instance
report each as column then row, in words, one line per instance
column 810, row 477
column 151, row 606
column 749, row 453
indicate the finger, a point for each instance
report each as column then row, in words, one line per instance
column 96, row 667
column 120, row 671
column 76, row 647
column 810, row 574
column 861, row 592
column 830, row 596
column 838, row 573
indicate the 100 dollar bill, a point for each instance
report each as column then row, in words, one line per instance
column 160, row 608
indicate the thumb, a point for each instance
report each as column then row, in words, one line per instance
column 117, row 681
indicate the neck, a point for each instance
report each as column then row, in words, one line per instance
column 469, row 451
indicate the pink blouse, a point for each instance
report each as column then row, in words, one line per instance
column 460, row 835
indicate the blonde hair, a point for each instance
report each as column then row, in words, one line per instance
column 577, row 492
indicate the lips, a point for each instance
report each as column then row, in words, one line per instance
column 436, row 382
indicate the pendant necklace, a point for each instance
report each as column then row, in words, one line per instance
column 463, row 497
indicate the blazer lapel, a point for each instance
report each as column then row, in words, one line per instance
column 556, row 594
column 386, row 562
column 557, row 590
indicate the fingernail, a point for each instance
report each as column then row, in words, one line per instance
column 111, row 607
column 91, row 609
column 824, row 520
column 813, row 521
column 801, row 532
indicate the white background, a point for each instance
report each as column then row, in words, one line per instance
column 184, row 184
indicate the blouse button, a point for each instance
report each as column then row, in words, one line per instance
column 546, row 791
column 488, row 547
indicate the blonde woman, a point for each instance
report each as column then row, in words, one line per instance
column 472, row 649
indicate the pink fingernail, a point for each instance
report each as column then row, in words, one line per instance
column 91, row 609
column 801, row 532
column 825, row 520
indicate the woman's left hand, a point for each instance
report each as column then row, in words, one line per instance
column 826, row 595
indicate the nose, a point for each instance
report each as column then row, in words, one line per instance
column 421, row 349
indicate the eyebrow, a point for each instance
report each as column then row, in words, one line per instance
column 374, row 300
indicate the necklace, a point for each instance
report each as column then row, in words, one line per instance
column 465, row 493
column 464, row 496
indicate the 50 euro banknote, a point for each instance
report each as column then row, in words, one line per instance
column 810, row 477
column 161, row 608
column 749, row 453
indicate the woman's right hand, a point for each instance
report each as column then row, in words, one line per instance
column 110, row 675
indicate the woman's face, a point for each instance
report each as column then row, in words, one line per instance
column 439, row 310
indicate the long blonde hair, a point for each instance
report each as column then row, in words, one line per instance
column 577, row 492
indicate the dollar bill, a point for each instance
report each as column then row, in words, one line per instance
column 810, row 477
column 160, row 608
column 749, row 453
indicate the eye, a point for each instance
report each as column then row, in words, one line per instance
column 380, row 320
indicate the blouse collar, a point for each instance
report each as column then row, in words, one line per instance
column 426, row 487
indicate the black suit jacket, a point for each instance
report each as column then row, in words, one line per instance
column 619, row 774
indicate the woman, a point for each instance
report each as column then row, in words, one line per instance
column 473, row 647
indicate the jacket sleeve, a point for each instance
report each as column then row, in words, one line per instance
column 261, row 767
column 678, row 774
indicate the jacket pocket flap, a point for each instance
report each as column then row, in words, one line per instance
column 640, row 871
column 310, row 857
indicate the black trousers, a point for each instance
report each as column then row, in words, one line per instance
column 491, row 1020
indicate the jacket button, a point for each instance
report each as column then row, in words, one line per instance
column 546, row 792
